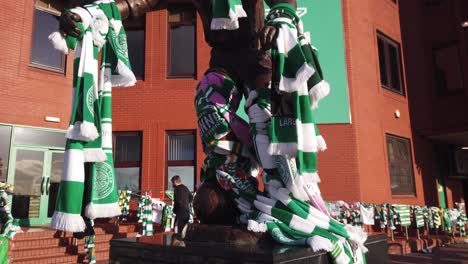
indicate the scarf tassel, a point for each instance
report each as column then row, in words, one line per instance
column 319, row 91
column 93, row 211
column 82, row 131
column 59, row 42
column 318, row 243
column 68, row 222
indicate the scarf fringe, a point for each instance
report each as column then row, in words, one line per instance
column 318, row 243
column 224, row 24
column 83, row 131
column 125, row 78
column 238, row 12
column 93, row 211
column 356, row 234
column 289, row 149
column 291, row 85
column 231, row 23
column 94, row 155
column 59, row 42
column 67, row 222
column 321, row 144
column 99, row 29
column 256, row 227
column 319, row 91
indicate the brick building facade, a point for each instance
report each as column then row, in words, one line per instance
column 376, row 157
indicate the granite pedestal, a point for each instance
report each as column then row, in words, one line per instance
column 222, row 244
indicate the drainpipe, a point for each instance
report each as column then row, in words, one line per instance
column 439, row 178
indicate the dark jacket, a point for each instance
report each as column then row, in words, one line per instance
column 182, row 199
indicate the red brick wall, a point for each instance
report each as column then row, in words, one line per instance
column 28, row 94
column 158, row 104
column 372, row 107
column 338, row 165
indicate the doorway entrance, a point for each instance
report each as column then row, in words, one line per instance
column 36, row 174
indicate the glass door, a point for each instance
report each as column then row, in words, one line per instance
column 35, row 174
column 52, row 184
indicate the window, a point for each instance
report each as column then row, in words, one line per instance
column 5, row 137
column 391, row 76
column 181, row 157
column 400, row 164
column 447, row 69
column 39, row 137
column 135, row 30
column 127, row 160
column 43, row 54
column 181, row 42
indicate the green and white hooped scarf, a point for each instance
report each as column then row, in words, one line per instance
column 226, row 14
column 89, row 138
column 296, row 71
column 293, row 222
column 145, row 214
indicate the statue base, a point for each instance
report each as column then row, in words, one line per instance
column 225, row 244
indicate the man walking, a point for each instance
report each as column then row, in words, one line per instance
column 182, row 199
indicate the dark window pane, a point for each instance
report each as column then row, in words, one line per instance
column 42, row 52
column 127, row 147
column 128, row 178
column 182, row 51
column 390, row 64
column 181, row 147
column 400, row 165
column 136, row 52
column 5, row 137
column 394, row 69
column 182, row 47
column 37, row 137
column 383, row 65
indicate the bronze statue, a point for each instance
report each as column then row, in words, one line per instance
column 271, row 63
column 241, row 54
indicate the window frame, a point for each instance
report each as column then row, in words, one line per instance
column 32, row 64
column 388, row 41
column 185, row 163
column 411, row 161
column 128, row 164
column 169, row 41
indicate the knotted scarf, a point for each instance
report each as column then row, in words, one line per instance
column 89, row 138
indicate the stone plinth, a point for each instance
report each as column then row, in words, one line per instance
column 224, row 244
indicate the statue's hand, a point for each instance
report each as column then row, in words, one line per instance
column 267, row 37
column 68, row 24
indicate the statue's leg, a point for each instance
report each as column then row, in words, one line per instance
column 227, row 167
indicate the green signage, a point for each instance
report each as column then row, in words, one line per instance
column 323, row 19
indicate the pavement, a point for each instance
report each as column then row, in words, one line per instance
column 451, row 254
